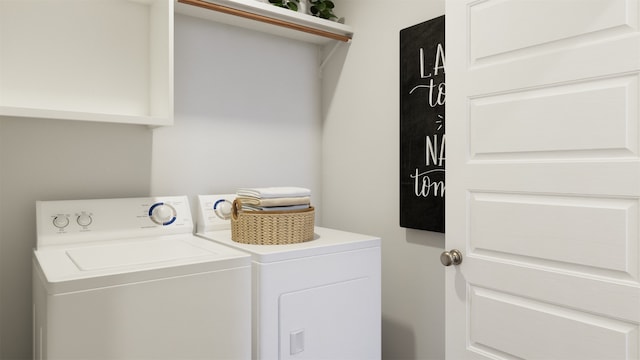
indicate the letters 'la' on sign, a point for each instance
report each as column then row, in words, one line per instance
column 422, row 136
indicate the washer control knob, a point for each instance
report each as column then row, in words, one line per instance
column 162, row 214
column 60, row 221
column 84, row 219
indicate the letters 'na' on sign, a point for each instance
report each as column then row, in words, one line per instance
column 422, row 136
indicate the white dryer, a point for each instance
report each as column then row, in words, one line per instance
column 314, row 300
column 127, row 279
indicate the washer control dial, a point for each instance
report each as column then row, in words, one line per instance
column 162, row 214
column 60, row 221
column 84, row 219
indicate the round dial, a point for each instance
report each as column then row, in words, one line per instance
column 223, row 209
column 60, row 221
column 162, row 214
column 84, row 219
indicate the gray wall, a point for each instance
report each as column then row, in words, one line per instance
column 360, row 172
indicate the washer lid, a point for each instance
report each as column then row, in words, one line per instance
column 326, row 241
column 136, row 253
column 65, row 269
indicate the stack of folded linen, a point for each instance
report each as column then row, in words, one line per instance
column 274, row 198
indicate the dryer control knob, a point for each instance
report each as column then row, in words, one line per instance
column 60, row 221
column 223, row 209
column 162, row 214
column 84, row 219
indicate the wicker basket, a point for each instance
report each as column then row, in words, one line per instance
column 271, row 227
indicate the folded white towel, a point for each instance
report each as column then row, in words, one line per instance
column 273, row 192
column 285, row 201
column 273, row 208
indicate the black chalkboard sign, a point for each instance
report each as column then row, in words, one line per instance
column 422, row 136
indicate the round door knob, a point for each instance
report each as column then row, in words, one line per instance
column 452, row 257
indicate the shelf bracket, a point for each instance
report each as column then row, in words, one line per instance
column 325, row 60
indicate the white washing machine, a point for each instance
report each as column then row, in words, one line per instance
column 314, row 300
column 127, row 279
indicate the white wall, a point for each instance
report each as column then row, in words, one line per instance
column 1, row 288
column 360, row 172
column 55, row 160
column 247, row 113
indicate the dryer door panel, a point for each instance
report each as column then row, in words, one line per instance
column 336, row 321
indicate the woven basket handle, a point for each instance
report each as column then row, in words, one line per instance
column 235, row 207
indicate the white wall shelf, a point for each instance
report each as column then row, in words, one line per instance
column 264, row 17
column 101, row 60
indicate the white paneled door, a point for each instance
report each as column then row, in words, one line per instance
column 543, row 179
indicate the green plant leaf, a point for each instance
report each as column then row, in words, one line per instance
column 322, row 9
column 279, row 3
